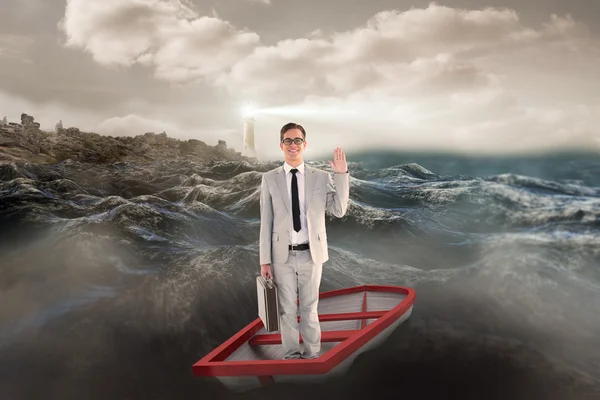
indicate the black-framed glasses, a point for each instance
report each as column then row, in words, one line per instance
column 297, row 141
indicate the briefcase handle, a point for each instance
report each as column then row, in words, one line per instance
column 269, row 282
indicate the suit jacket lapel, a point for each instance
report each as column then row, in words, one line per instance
column 308, row 183
column 282, row 183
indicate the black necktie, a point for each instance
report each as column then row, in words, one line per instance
column 295, row 201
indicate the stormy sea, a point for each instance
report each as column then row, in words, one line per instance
column 115, row 279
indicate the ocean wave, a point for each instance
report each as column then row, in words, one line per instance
column 124, row 256
column 544, row 186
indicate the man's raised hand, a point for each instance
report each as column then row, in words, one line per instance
column 339, row 164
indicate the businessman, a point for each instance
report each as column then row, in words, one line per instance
column 293, row 239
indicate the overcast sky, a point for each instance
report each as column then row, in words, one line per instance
column 462, row 75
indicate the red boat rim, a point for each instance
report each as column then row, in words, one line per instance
column 214, row 364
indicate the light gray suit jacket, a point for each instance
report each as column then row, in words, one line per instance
column 275, row 212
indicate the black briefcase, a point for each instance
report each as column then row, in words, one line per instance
column 268, row 307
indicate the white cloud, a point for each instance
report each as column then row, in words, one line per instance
column 133, row 125
column 436, row 77
column 47, row 113
column 165, row 34
column 394, row 47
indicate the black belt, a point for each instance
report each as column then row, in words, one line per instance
column 303, row 246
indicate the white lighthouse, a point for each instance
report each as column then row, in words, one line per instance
column 249, row 150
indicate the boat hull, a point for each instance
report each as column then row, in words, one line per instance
column 352, row 320
column 240, row 384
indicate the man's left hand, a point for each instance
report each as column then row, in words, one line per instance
column 339, row 161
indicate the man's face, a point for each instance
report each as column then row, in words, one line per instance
column 293, row 151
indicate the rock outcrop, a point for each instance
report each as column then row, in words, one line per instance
column 25, row 142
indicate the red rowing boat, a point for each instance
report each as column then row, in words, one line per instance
column 352, row 320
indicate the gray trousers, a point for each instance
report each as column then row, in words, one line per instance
column 299, row 279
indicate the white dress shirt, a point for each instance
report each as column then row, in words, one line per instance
column 301, row 236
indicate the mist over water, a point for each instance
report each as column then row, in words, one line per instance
column 116, row 279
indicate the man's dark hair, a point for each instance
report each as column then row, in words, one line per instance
column 291, row 125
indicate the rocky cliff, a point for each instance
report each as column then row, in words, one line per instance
column 25, row 142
